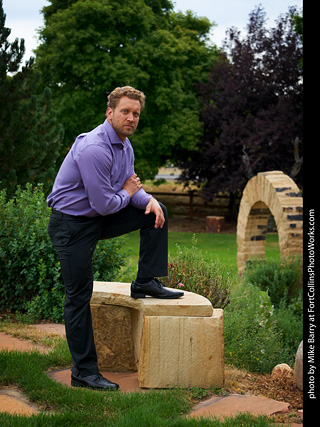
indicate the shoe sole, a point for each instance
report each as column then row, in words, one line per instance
column 136, row 296
column 75, row 384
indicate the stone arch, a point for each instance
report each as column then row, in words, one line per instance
column 269, row 192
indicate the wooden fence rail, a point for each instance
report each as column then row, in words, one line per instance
column 191, row 204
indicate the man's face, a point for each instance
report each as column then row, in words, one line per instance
column 125, row 117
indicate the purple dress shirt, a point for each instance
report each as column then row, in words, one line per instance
column 92, row 175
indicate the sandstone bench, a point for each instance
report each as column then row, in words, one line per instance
column 170, row 343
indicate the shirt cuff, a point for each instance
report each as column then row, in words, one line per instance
column 140, row 199
column 125, row 197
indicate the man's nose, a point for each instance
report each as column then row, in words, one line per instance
column 130, row 117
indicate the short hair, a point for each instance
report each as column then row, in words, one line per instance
column 130, row 92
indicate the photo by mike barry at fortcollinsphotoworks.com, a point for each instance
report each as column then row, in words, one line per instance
column 310, row 304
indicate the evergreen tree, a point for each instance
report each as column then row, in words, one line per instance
column 30, row 137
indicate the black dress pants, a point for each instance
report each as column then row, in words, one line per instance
column 75, row 238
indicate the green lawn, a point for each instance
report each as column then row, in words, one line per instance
column 66, row 406
column 213, row 246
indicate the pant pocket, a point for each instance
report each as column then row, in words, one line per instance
column 59, row 231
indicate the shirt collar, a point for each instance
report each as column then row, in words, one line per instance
column 113, row 136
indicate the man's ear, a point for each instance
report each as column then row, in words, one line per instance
column 109, row 113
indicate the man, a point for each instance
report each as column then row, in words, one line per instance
column 97, row 195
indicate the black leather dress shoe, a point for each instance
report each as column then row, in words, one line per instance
column 96, row 381
column 154, row 289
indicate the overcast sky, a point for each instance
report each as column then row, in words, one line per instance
column 24, row 17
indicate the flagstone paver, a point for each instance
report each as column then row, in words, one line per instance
column 14, row 402
column 232, row 405
column 9, row 342
column 128, row 381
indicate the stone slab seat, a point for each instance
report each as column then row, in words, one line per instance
column 170, row 343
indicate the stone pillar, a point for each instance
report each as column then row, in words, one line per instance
column 182, row 351
column 113, row 336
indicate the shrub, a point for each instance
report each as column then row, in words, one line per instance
column 253, row 340
column 30, row 279
column 263, row 325
column 189, row 271
column 281, row 278
column 290, row 322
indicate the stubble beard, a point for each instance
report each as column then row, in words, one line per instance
column 123, row 131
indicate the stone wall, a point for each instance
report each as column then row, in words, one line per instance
column 269, row 193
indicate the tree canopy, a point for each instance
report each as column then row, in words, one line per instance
column 252, row 108
column 89, row 47
column 29, row 133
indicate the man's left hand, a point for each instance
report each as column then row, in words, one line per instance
column 153, row 206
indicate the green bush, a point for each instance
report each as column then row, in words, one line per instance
column 30, row 279
column 253, row 339
column 190, row 272
column 264, row 325
column 281, row 278
column 289, row 320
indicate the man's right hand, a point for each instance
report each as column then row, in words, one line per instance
column 132, row 184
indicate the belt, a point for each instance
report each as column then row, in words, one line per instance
column 61, row 214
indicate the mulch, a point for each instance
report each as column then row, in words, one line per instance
column 280, row 388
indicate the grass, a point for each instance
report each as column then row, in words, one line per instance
column 214, row 246
column 80, row 407
column 65, row 406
